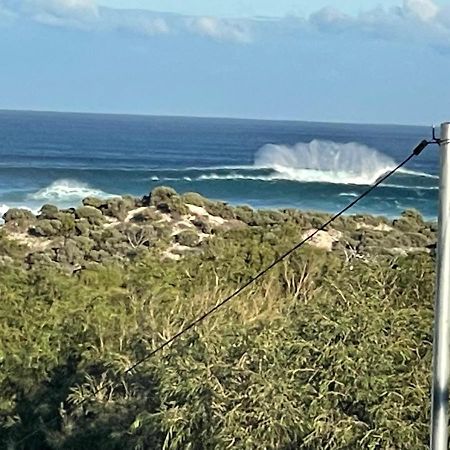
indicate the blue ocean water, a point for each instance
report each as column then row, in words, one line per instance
column 61, row 158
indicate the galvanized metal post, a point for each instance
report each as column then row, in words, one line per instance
column 441, row 343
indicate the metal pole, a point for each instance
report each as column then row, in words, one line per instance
column 441, row 343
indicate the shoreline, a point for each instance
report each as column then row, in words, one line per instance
column 124, row 228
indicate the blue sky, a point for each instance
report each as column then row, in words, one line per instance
column 347, row 61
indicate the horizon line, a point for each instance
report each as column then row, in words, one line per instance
column 214, row 117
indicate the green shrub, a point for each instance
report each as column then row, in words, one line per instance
column 119, row 207
column 188, row 238
column 94, row 202
column 322, row 352
column 82, row 227
column 203, row 225
column 162, row 194
column 193, row 198
column 18, row 218
column 50, row 212
column 46, row 228
column 166, row 200
column 220, row 209
column 146, row 215
column 91, row 214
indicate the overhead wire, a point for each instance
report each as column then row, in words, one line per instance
column 416, row 152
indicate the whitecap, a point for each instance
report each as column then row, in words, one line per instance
column 66, row 190
column 327, row 162
column 415, row 188
column 419, row 174
column 3, row 210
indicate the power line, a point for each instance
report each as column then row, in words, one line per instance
column 417, row 151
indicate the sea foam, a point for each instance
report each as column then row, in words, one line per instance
column 62, row 191
column 3, row 210
column 325, row 162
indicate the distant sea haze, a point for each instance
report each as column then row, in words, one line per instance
column 60, row 158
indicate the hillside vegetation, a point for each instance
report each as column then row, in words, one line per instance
column 331, row 350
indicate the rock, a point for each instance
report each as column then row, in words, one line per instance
column 324, row 240
column 91, row 214
column 50, row 212
column 94, row 202
column 19, row 218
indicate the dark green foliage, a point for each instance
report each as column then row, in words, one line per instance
column 10, row 248
column 319, row 353
column 245, row 214
column 167, row 200
column 91, row 214
column 119, row 207
column 16, row 214
column 50, row 212
column 203, row 225
column 46, row 228
column 19, row 219
column 409, row 221
column 146, row 215
column 220, row 209
column 94, row 202
column 194, row 199
column 162, row 194
column 188, row 238
column 82, row 227
column 329, row 350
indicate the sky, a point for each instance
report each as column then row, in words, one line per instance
column 343, row 61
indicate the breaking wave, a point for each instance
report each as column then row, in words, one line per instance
column 325, row 162
column 314, row 162
column 67, row 191
column 3, row 210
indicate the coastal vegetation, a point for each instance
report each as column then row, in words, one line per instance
column 331, row 350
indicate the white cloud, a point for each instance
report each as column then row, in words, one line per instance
column 424, row 10
column 420, row 21
column 76, row 13
column 61, row 9
column 136, row 22
column 331, row 18
column 86, row 15
column 220, row 29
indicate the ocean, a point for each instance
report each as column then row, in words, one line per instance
column 60, row 158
